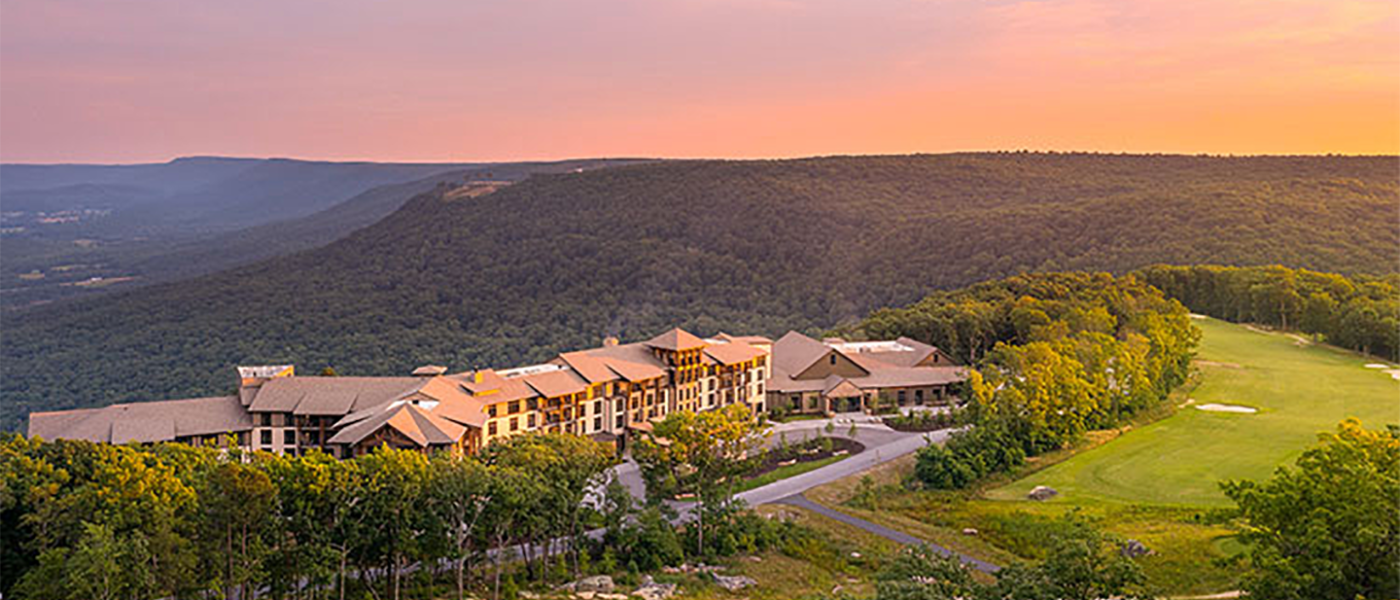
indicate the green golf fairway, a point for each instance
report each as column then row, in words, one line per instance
column 1299, row 389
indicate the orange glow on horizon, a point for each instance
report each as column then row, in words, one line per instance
column 445, row 80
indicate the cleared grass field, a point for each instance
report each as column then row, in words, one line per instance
column 1155, row 483
column 1300, row 389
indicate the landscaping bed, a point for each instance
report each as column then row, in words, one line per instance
column 808, row 451
column 924, row 420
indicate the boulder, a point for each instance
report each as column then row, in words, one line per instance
column 733, row 583
column 598, row 584
column 651, row 590
column 1134, row 549
column 1042, row 492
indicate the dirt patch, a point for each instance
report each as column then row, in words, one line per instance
column 1227, row 408
column 475, row 189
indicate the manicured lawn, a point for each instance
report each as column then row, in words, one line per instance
column 1300, row 390
column 782, row 473
column 1154, row 483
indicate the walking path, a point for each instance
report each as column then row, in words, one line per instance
column 900, row 537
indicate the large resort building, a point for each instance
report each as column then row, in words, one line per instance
column 606, row 393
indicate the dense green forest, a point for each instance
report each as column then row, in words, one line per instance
column 1360, row 313
column 1057, row 354
column 85, row 520
column 559, row 261
column 110, row 251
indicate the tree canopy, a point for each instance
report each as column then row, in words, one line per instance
column 1326, row 529
column 559, row 261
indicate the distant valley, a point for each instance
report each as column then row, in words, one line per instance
column 79, row 230
column 559, row 260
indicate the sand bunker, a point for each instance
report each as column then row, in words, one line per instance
column 1228, row 408
column 1394, row 373
column 1377, row 366
column 1196, row 316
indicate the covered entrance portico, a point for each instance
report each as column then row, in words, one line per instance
column 842, row 396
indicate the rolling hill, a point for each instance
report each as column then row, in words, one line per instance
column 558, row 261
column 243, row 216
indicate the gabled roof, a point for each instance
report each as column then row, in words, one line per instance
column 635, row 372
column 330, row 395
column 633, row 362
column 676, row 339
column 794, row 353
column 836, row 386
column 493, row 387
column 454, row 403
column 553, row 384
column 414, row 422
column 144, row 421
column 732, row 353
column 592, row 368
column 895, row 366
column 752, row 340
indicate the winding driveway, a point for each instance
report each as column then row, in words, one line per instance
column 882, row 445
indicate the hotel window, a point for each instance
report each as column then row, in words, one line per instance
column 619, row 421
column 514, row 407
column 598, row 407
column 265, row 419
column 266, row 437
column 491, row 428
column 532, row 404
column 289, row 437
column 833, row 358
column 515, row 423
column 531, row 420
column 597, row 423
column 491, row 410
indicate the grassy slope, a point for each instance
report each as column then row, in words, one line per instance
column 1153, row 483
column 1300, row 389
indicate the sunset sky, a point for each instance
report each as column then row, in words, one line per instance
column 439, row 80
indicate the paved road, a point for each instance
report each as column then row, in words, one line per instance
column 882, row 445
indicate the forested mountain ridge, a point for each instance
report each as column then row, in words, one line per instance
column 44, row 264
column 558, row 261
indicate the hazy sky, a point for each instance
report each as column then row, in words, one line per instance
column 148, row 80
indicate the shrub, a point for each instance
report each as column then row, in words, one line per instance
column 968, row 456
